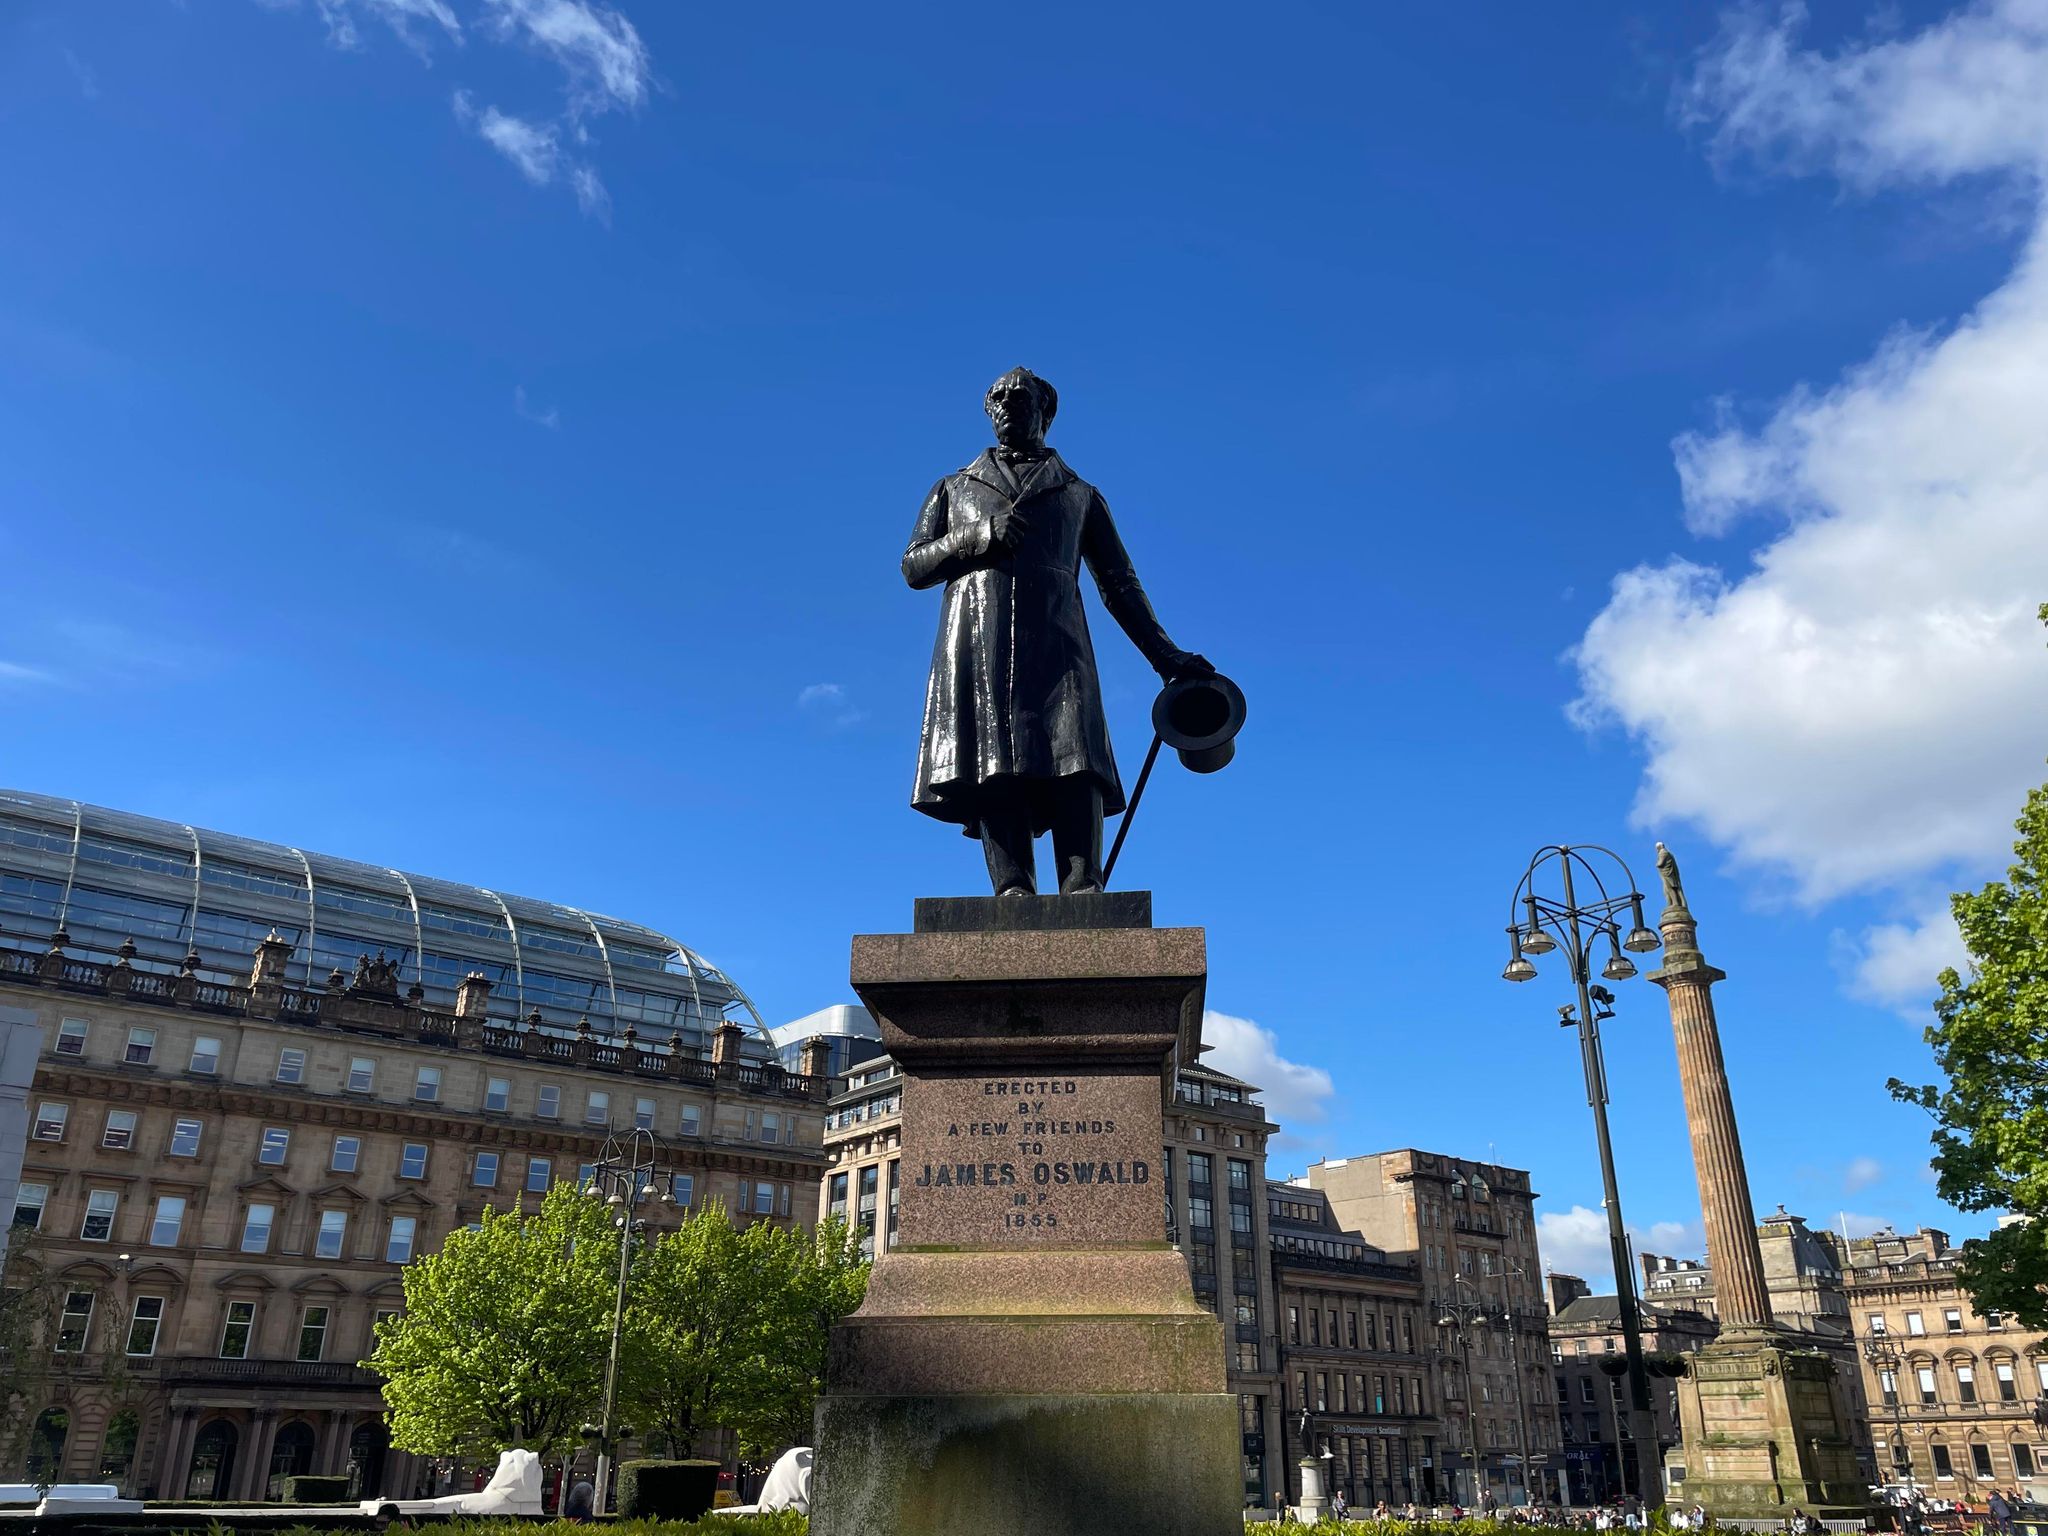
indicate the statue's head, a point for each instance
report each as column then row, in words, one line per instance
column 1020, row 406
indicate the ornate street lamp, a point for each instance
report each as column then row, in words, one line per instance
column 1885, row 1358
column 625, row 1177
column 1543, row 924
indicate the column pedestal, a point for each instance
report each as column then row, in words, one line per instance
column 1030, row 1359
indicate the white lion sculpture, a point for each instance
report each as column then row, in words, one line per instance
column 514, row 1489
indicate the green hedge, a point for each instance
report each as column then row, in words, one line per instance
column 309, row 1489
column 666, row 1490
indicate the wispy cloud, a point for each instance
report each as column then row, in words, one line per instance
column 536, row 150
column 526, row 411
column 82, row 72
column 830, row 703
column 411, row 21
column 605, row 64
column 1861, row 1173
column 14, row 673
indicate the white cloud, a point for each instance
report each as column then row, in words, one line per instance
column 1860, row 708
column 536, row 150
column 829, row 702
column 1293, row 1094
column 526, row 411
column 409, row 19
column 1574, row 1242
column 21, row 672
column 1894, row 965
column 1861, row 1173
column 88, row 80
column 597, row 48
column 1859, row 1225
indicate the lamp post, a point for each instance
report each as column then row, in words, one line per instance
column 1507, row 1323
column 624, row 1178
column 1543, row 924
column 1460, row 1318
column 1885, row 1358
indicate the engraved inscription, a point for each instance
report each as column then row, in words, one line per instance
column 1037, row 1149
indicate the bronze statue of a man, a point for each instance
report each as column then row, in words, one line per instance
column 1015, row 744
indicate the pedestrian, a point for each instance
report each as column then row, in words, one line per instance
column 2000, row 1510
column 582, row 1496
column 1337, row 1505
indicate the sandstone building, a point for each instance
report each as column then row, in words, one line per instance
column 243, row 1126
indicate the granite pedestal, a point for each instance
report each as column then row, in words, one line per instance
column 1030, row 1359
column 1763, row 1427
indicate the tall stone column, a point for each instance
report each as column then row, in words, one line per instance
column 1740, row 1296
column 1763, row 1424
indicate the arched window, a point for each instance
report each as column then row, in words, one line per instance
column 46, row 1445
column 213, row 1462
column 117, row 1446
column 366, row 1448
column 291, row 1455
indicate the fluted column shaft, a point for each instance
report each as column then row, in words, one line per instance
column 1740, row 1296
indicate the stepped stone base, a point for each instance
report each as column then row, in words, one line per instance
column 1765, row 1433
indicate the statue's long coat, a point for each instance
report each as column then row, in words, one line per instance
column 1013, row 689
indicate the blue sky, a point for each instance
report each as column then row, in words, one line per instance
column 478, row 436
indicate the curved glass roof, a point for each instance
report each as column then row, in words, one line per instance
column 105, row 876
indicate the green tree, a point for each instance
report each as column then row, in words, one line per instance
column 1990, row 1043
column 505, row 1333
column 815, row 1279
column 727, row 1327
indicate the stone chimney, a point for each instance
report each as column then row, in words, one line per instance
column 817, row 1057
column 472, row 995
column 725, row 1045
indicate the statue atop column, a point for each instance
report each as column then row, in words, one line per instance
column 1667, row 871
column 1014, row 742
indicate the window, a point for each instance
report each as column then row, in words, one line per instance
column 98, row 1225
column 498, row 1094
column 547, row 1101
column 1315, row 1326
column 750, row 1125
column 1966, row 1384
column 1925, row 1375
column 71, row 1038
column 313, row 1333
column 120, row 1131
column 404, row 1229
column 1877, row 1325
column 2022, row 1459
column 539, row 1173
column 1943, row 1468
column 1888, row 1384
column 1994, row 1320
column 144, row 1323
column 184, row 1138
column 141, row 1046
column 333, row 1234
column 291, row 1065
column 683, row 1186
column 426, row 1085
column 764, row 1199
column 29, row 1200
column 1586, row 1389
column 50, row 1119
column 2041, row 1375
column 1294, row 1325
column 256, row 1224
column 485, row 1174
column 277, row 1142
column 74, row 1323
column 771, row 1126
column 597, row 1109
column 692, row 1120
column 1914, row 1326
column 2008, row 1389
column 1980, row 1458
column 412, row 1160
column 205, row 1055
column 362, row 1074
column 167, row 1221
column 643, row 1114
column 1952, row 1319
column 347, row 1150
column 239, row 1323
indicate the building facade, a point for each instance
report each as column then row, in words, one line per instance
column 1588, row 1364
column 1470, row 1230
column 226, row 1173
column 1956, row 1396
column 1357, row 1353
